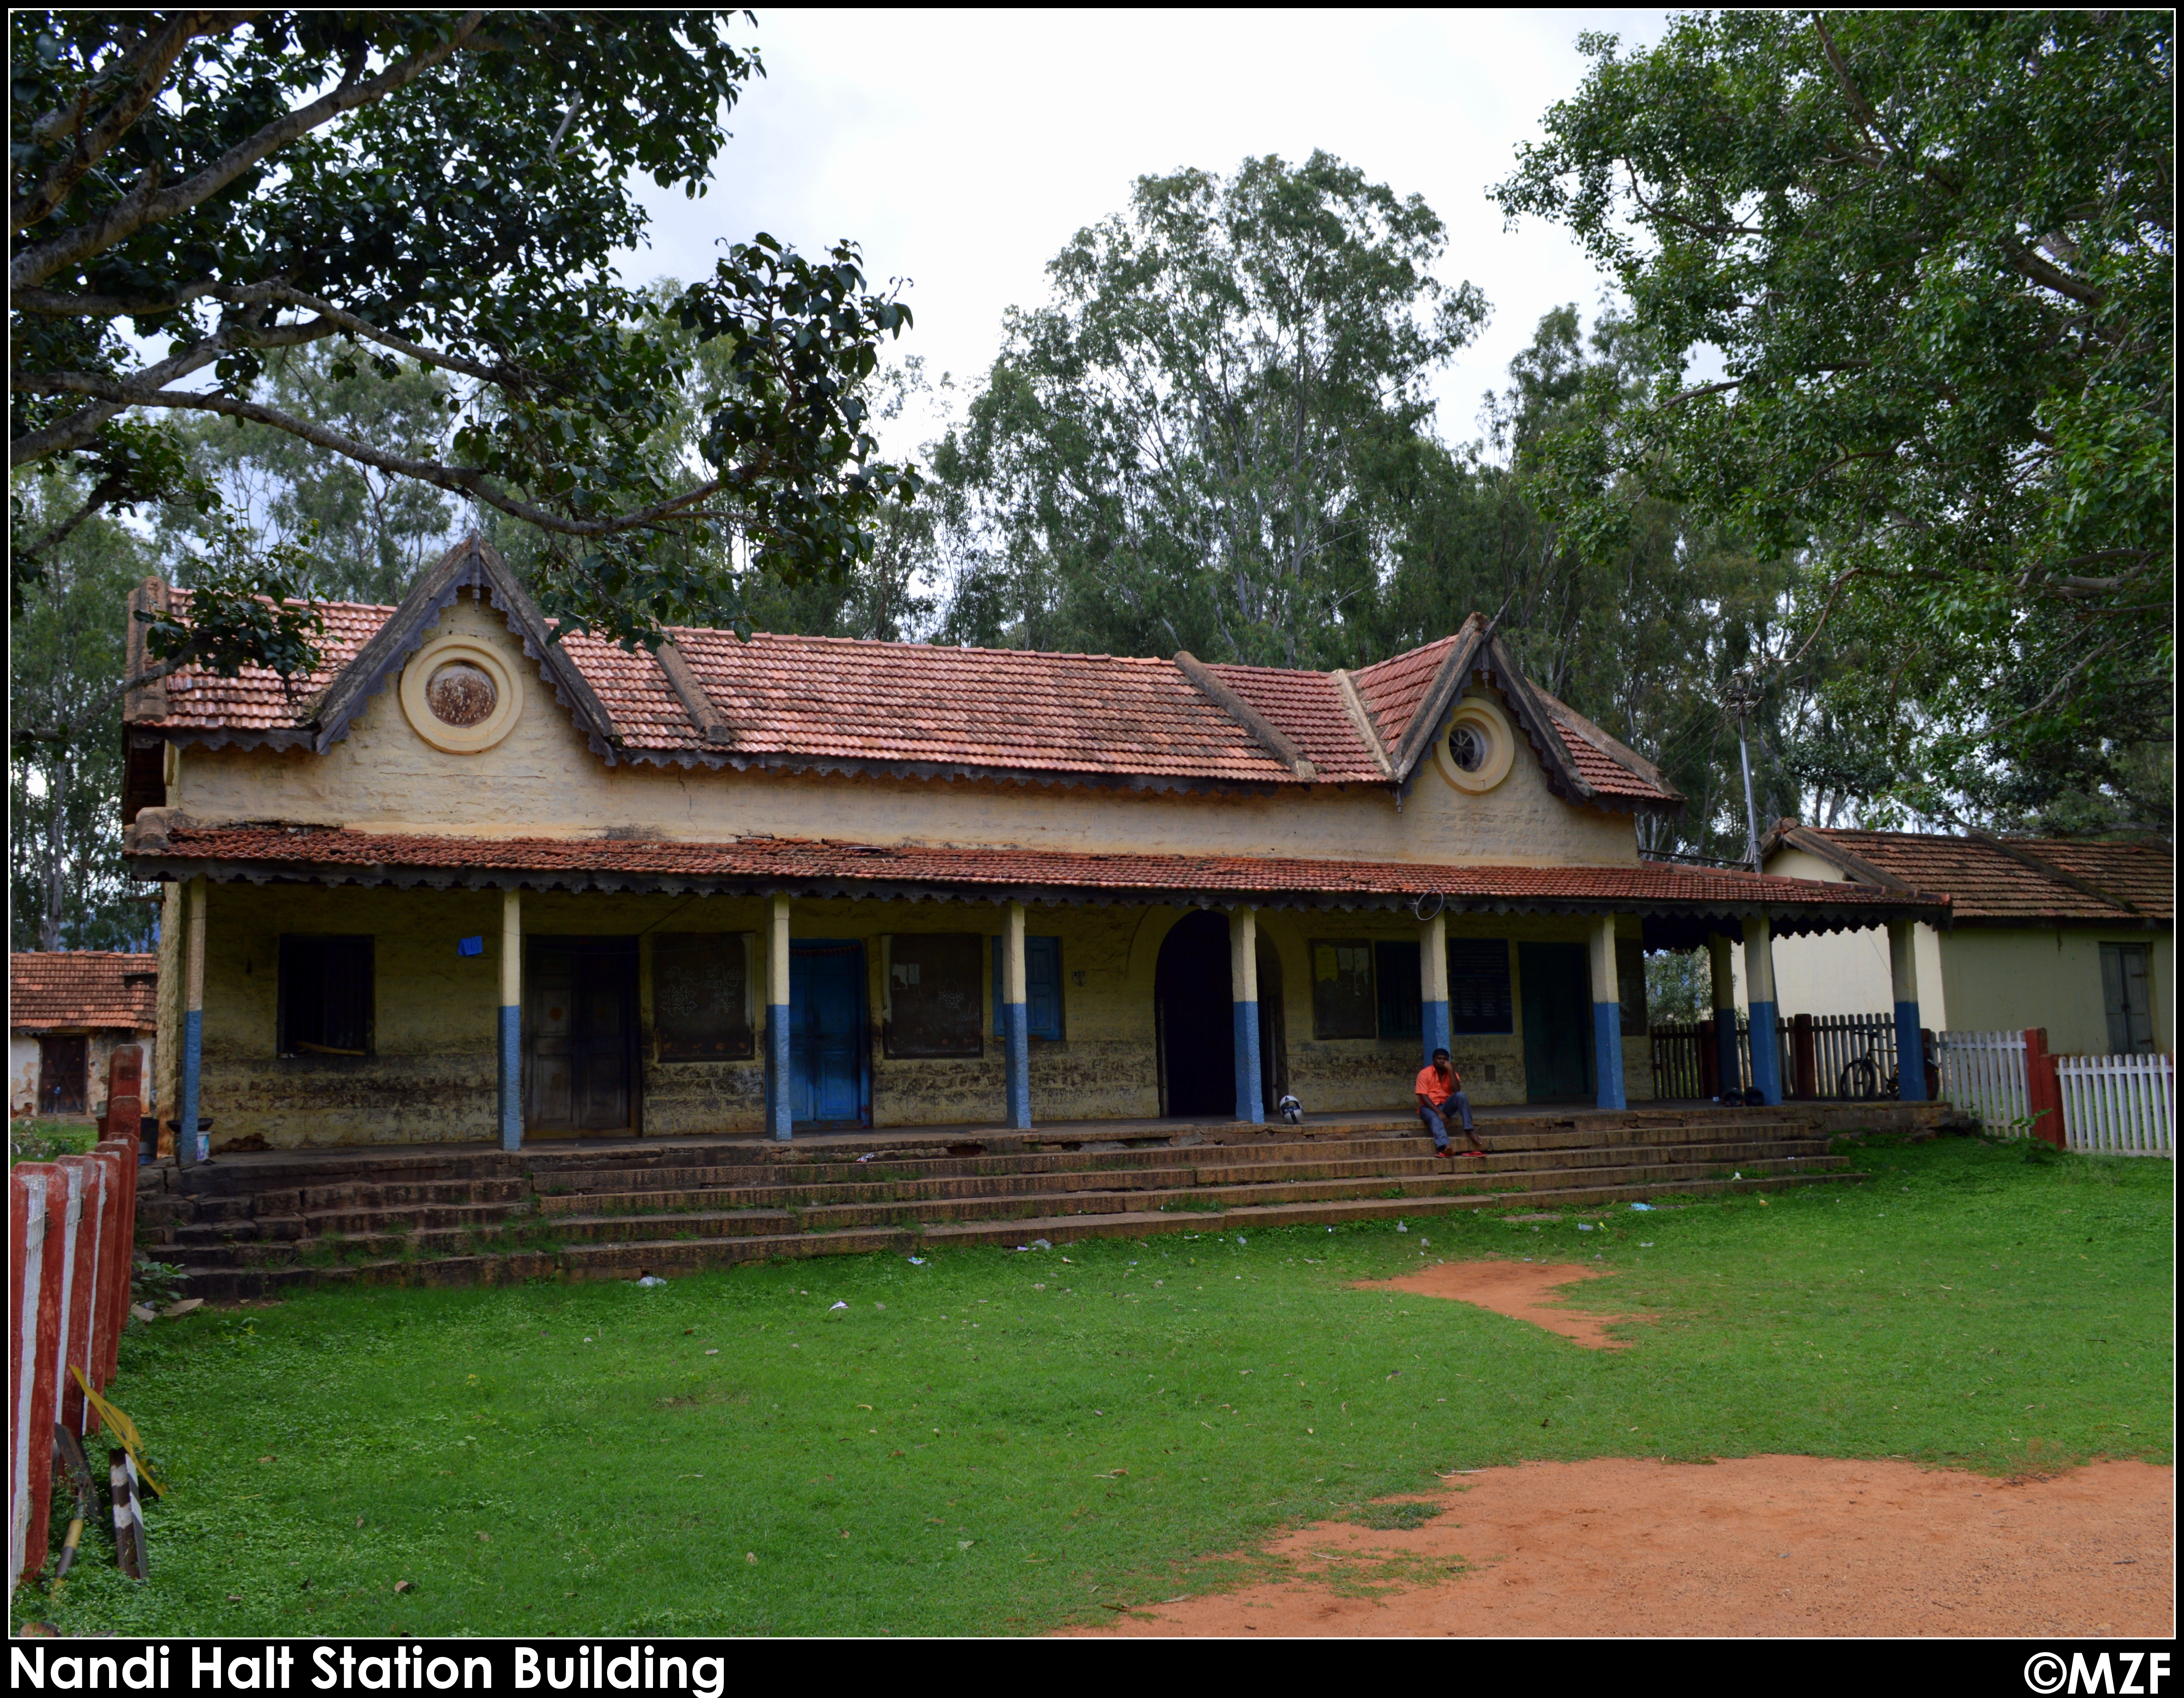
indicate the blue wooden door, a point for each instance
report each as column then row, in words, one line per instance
column 826, row 1032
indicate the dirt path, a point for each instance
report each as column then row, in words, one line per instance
column 1523, row 1290
column 1762, row 1545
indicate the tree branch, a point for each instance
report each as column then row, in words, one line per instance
column 457, row 480
column 142, row 206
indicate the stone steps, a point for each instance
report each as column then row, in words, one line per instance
column 484, row 1215
column 626, row 1258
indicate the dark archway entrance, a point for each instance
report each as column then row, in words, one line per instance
column 1192, row 1017
column 1273, row 1031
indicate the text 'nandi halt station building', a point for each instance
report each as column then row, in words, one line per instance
column 468, row 883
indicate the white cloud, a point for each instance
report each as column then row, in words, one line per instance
column 963, row 149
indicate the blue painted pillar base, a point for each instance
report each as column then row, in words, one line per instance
column 1250, row 1106
column 1729, row 1063
column 511, row 1078
column 1435, row 1036
column 1766, row 1054
column 185, row 1129
column 1015, row 1022
column 1607, row 1054
column 777, row 1072
column 1910, row 1055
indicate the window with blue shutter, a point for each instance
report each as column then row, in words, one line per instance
column 1042, row 986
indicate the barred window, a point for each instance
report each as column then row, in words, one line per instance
column 326, row 996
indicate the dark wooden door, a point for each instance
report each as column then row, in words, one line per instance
column 1558, row 990
column 61, row 1068
column 1195, row 1017
column 580, row 1036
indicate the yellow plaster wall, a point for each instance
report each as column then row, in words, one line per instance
column 431, row 1076
column 542, row 779
column 2007, row 980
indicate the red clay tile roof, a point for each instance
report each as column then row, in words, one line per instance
column 1391, row 690
column 1986, row 884
column 821, row 700
column 102, row 990
column 821, row 867
column 254, row 699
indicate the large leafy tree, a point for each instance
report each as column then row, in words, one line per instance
column 1909, row 277
column 67, row 886
column 193, row 192
column 1189, row 446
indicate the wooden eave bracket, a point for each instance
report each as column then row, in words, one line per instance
column 2047, row 869
column 1262, row 731
column 712, row 726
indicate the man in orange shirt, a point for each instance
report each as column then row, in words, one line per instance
column 1439, row 1085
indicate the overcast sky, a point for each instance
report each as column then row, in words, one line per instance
column 963, row 149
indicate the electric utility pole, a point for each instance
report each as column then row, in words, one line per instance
column 1741, row 696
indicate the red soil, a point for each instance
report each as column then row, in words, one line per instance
column 1759, row 1546
column 1519, row 1288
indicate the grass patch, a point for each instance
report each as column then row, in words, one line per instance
column 1005, row 1442
column 42, row 1140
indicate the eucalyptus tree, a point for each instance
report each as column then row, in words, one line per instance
column 1932, row 256
column 1190, row 444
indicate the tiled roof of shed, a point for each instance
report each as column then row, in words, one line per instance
column 1987, row 883
column 103, row 989
column 821, row 700
column 340, row 855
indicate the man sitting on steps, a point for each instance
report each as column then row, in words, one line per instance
column 1440, row 1085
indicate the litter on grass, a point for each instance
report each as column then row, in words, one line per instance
column 1401, row 1228
column 833, row 1306
column 1642, row 1208
column 917, row 1262
column 1584, row 1226
column 651, row 1279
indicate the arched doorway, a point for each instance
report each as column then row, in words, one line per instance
column 1192, row 1017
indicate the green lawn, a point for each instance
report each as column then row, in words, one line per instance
column 1004, row 1442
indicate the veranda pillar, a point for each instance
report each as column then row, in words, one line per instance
column 1903, row 980
column 186, row 1151
column 1016, row 1020
column 511, row 1019
column 1759, row 984
column 1607, row 1016
column 1729, row 1066
column 777, row 1106
column 1244, row 1001
column 1433, row 987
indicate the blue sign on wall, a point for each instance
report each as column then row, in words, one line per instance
column 470, row 946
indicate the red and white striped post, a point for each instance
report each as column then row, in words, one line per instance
column 40, row 1190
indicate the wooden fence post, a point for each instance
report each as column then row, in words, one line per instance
column 2043, row 1090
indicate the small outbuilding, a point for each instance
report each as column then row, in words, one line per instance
column 67, row 1011
column 2074, row 936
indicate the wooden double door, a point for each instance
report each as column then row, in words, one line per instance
column 579, row 1037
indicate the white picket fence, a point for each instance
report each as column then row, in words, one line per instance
column 2118, row 1104
column 1983, row 1074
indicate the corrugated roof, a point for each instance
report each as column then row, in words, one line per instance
column 103, row 989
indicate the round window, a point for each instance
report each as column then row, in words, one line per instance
column 459, row 693
column 1475, row 755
